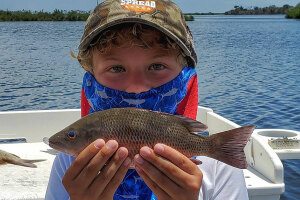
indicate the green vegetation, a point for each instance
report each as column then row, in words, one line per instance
column 62, row 15
column 294, row 13
column 56, row 15
column 239, row 10
column 189, row 17
column 209, row 13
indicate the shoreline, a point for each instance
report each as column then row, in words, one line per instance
column 77, row 15
column 188, row 17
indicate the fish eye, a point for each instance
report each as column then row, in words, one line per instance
column 72, row 134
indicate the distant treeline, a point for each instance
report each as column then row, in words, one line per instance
column 56, row 15
column 289, row 11
column 188, row 17
column 62, row 15
column 240, row 10
column 209, row 13
column 294, row 12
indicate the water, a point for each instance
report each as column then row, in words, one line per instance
column 37, row 71
column 248, row 69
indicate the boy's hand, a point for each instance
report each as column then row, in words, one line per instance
column 168, row 173
column 83, row 180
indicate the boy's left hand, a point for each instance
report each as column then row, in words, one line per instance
column 168, row 173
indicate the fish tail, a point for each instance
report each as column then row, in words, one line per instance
column 23, row 162
column 29, row 163
column 34, row 161
column 229, row 146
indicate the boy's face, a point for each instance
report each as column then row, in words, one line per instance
column 135, row 69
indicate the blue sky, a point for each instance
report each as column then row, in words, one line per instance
column 185, row 5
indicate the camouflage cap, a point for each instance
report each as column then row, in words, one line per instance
column 163, row 15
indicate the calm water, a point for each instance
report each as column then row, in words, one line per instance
column 248, row 68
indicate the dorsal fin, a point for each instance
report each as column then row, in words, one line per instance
column 192, row 125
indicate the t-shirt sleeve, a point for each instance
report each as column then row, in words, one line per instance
column 229, row 183
column 55, row 189
column 221, row 181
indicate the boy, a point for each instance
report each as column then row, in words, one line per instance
column 139, row 54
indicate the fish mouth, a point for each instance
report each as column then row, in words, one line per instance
column 58, row 148
column 46, row 140
column 54, row 146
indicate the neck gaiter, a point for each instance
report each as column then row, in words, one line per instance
column 165, row 98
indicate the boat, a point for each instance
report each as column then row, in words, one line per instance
column 22, row 133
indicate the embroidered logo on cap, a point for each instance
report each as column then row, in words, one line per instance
column 138, row 6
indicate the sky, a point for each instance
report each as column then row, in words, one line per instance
column 186, row 5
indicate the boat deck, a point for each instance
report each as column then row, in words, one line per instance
column 19, row 182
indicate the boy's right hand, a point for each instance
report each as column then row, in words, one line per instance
column 84, row 181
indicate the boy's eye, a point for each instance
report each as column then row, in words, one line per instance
column 117, row 69
column 156, row 67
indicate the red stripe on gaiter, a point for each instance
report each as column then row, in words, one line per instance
column 189, row 104
column 85, row 107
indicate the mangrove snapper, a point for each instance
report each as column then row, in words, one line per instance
column 6, row 157
column 134, row 128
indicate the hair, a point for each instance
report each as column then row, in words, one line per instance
column 127, row 35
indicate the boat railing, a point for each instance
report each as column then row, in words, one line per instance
column 35, row 125
column 264, row 175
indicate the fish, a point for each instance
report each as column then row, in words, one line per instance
column 102, row 94
column 132, row 196
column 6, row 157
column 134, row 101
column 170, row 93
column 134, row 128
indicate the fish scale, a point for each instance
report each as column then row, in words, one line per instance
column 134, row 128
column 142, row 132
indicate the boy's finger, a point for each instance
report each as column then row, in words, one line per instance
column 161, row 194
column 116, row 180
column 104, row 177
column 156, row 175
column 169, row 169
column 83, row 159
column 196, row 161
column 166, row 167
column 176, row 158
column 91, row 170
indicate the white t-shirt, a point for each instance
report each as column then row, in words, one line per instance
column 220, row 181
